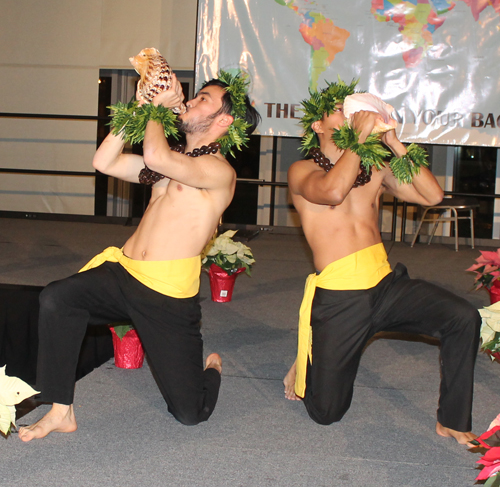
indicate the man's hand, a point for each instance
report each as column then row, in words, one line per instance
column 389, row 138
column 172, row 97
column 363, row 123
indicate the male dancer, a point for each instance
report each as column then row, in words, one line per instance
column 354, row 293
column 154, row 280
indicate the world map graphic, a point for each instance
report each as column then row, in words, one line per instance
column 417, row 22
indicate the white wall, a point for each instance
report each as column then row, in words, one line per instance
column 49, row 64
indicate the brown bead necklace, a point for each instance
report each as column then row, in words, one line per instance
column 146, row 176
column 322, row 161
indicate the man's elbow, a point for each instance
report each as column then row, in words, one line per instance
column 149, row 156
column 336, row 197
column 98, row 164
column 436, row 198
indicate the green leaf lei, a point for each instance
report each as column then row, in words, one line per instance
column 129, row 119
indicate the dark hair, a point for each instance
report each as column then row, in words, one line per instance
column 252, row 116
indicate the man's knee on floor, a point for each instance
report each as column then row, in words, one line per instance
column 187, row 419
column 327, row 416
column 190, row 416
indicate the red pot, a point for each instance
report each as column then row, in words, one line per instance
column 129, row 353
column 494, row 291
column 222, row 283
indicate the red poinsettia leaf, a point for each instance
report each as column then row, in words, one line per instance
column 489, row 257
column 489, row 463
column 474, row 267
column 487, row 472
column 492, row 455
column 490, row 438
column 489, row 269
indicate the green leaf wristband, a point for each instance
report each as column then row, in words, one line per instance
column 408, row 166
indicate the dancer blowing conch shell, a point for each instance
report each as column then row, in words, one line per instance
column 371, row 103
column 156, row 76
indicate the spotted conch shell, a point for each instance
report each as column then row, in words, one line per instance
column 371, row 103
column 156, row 75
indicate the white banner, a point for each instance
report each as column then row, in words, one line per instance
column 435, row 61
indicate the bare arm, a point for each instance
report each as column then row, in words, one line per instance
column 207, row 172
column 424, row 188
column 324, row 188
column 332, row 187
column 110, row 160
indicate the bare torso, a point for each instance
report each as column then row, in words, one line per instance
column 178, row 222
column 334, row 232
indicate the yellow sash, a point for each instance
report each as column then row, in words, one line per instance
column 362, row 270
column 175, row 278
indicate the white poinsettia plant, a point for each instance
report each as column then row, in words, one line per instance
column 228, row 254
column 12, row 392
column 490, row 330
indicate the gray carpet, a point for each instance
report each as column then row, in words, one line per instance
column 255, row 437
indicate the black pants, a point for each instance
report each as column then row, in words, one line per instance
column 169, row 329
column 343, row 321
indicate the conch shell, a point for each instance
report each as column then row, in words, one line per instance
column 156, row 75
column 371, row 103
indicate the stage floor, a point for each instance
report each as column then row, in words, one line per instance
column 255, row 437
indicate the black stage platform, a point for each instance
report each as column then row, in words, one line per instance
column 19, row 338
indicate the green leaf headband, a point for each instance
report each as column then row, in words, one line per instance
column 238, row 91
column 319, row 104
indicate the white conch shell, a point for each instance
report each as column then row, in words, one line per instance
column 371, row 103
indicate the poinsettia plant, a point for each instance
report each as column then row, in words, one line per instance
column 12, row 392
column 490, row 330
column 491, row 460
column 487, row 269
column 227, row 254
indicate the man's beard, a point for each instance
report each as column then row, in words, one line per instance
column 196, row 126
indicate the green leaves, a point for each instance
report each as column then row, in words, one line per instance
column 129, row 120
column 319, row 104
column 406, row 167
column 236, row 136
column 238, row 90
column 371, row 152
column 121, row 328
column 493, row 481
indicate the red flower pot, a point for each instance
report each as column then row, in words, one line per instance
column 129, row 353
column 494, row 291
column 222, row 283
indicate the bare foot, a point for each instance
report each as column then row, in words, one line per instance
column 289, row 383
column 214, row 362
column 61, row 418
column 461, row 437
